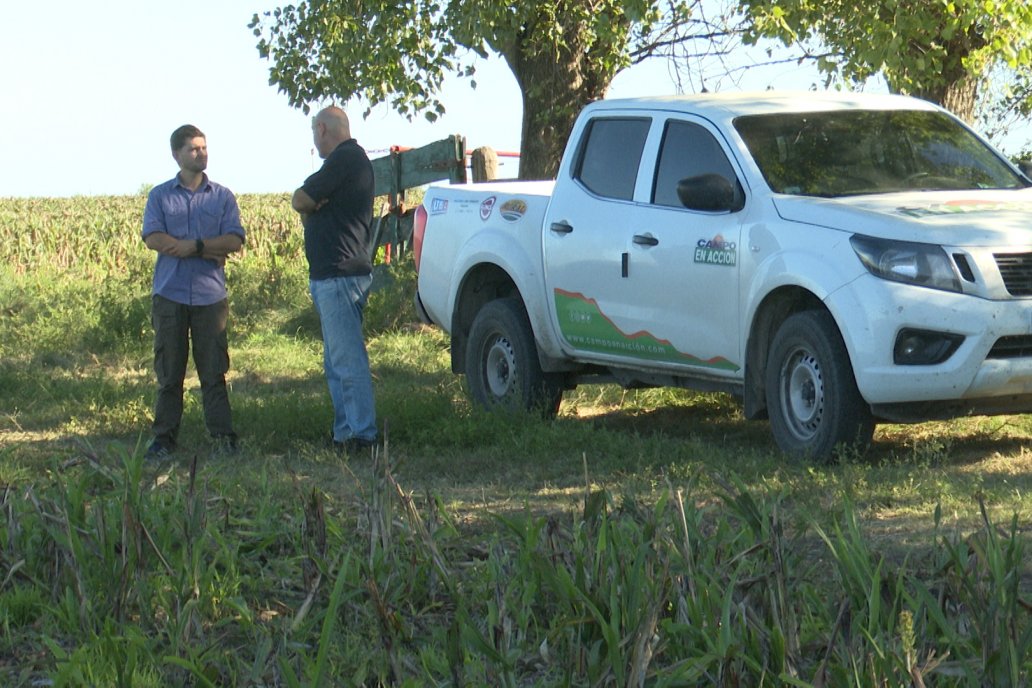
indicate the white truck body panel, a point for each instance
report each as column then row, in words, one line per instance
column 622, row 281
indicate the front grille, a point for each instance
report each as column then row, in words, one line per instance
column 1013, row 346
column 1016, row 270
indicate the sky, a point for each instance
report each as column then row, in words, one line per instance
column 92, row 92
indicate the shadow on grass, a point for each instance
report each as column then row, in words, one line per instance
column 711, row 423
column 960, row 442
column 58, row 411
column 478, row 461
column 303, row 324
column 714, row 419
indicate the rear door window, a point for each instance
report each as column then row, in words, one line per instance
column 610, row 154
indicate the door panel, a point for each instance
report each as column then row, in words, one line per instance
column 634, row 279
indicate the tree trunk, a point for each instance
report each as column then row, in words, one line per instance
column 556, row 83
column 957, row 90
column 958, row 95
column 550, row 107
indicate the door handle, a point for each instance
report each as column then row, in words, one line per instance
column 645, row 240
column 561, row 227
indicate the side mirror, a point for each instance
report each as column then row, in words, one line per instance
column 711, row 192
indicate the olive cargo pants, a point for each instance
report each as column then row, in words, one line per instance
column 176, row 326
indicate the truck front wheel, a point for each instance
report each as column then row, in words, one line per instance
column 814, row 404
column 502, row 368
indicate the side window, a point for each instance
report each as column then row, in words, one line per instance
column 609, row 156
column 688, row 150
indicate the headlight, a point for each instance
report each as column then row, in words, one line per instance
column 926, row 265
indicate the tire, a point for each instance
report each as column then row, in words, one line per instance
column 812, row 399
column 502, row 368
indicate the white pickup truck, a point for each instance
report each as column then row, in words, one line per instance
column 832, row 260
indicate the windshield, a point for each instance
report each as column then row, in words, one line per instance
column 850, row 152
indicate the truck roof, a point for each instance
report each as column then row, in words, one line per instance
column 735, row 104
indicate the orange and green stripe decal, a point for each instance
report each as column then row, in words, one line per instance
column 586, row 327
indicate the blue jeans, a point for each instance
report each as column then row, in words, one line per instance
column 339, row 302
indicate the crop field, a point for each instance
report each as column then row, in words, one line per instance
column 641, row 538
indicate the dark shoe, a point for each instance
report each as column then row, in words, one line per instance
column 225, row 445
column 158, row 451
column 357, row 444
column 352, row 446
column 338, row 447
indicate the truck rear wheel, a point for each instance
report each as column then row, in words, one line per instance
column 812, row 398
column 502, row 368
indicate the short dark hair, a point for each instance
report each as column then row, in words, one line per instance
column 183, row 134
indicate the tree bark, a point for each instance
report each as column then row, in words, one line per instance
column 960, row 98
column 556, row 81
column 959, row 94
column 550, row 108
column 957, row 91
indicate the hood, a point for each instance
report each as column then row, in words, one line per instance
column 950, row 218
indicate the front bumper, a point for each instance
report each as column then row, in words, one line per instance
column 871, row 312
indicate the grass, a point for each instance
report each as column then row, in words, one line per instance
column 646, row 537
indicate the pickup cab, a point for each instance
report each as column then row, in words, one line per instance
column 831, row 260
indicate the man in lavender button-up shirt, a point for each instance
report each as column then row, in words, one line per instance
column 193, row 224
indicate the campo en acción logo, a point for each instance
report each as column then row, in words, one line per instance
column 716, row 251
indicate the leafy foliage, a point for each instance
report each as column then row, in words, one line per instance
column 339, row 49
column 563, row 55
column 937, row 49
column 398, row 53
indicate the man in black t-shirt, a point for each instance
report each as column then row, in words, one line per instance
column 336, row 207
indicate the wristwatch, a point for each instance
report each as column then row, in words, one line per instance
column 200, row 247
